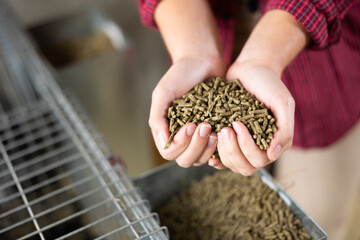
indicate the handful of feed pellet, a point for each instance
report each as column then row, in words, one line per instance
column 230, row 206
column 220, row 102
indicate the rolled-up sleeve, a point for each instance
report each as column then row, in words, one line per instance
column 146, row 9
column 320, row 18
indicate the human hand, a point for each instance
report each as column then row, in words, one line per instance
column 236, row 146
column 276, row 39
column 192, row 145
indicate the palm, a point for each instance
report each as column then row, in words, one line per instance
column 179, row 79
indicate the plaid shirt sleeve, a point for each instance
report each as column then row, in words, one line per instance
column 321, row 18
column 146, row 9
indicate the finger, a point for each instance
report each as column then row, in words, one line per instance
column 196, row 147
column 208, row 151
column 216, row 163
column 158, row 122
column 251, row 151
column 284, row 114
column 231, row 155
column 178, row 145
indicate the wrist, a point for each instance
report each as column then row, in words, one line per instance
column 189, row 29
column 215, row 64
column 270, row 63
column 243, row 69
column 209, row 54
column 275, row 42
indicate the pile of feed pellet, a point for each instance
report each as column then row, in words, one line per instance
column 220, row 102
column 230, row 206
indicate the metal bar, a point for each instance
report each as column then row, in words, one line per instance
column 17, row 225
column 39, row 146
column 98, row 137
column 89, row 209
column 49, row 195
column 76, row 215
column 42, row 170
column 33, row 136
column 111, row 215
column 49, row 210
column 54, row 93
column 19, row 187
column 26, row 128
column 22, row 127
column 23, row 118
column 88, row 193
column 37, row 160
column 63, row 189
column 160, row 230
column 18, row 116
column 87, row 226
column 15, row 70
column 36, row 69
column 34, row 106
column 56, row 164
column 91, row 224
column 80, row 136
column 46, row 182
column 124, row 227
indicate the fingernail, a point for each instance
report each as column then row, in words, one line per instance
column 220, row 139
column 212, row 163
column 161, row 139
column 190, row 130
column 236, row 127
column 204, row 131
column 211, row 142
column 225, row 134
column 276, row 152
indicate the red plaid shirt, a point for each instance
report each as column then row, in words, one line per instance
column 324, row 79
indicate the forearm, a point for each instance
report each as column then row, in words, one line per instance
column 188, row 28
column 276, row 40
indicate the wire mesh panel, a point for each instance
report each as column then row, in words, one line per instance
column 55, row 179
column 49, row 190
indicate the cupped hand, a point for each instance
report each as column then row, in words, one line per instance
column 236, row 147
column 192, row 145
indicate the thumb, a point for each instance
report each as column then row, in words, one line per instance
column 158, row 117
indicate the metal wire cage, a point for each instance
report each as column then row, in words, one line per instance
column 56, row 181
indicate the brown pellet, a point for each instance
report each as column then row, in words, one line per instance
column 218, row 101
column 264, row 124
column 230, row 206
column 257, row 127
column 258, row 140
column 264, row 143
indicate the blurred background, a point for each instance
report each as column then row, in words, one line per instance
column 100, row 51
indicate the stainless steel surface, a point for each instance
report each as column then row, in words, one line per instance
column 55, row 179
column 162, row 183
